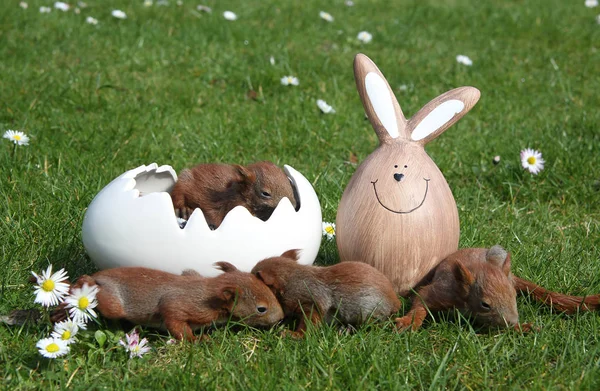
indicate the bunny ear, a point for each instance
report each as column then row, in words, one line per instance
column 379, row 101
column 439, row 114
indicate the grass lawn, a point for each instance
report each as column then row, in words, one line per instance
column 177, row 86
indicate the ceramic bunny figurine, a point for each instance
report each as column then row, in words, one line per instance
column 397, row 212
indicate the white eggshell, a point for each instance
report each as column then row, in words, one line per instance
column 131, row 222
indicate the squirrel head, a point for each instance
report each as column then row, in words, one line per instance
column 245, row 297
column 490, row 296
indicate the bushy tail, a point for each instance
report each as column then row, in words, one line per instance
column 563, row 303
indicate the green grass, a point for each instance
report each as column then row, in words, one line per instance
column 170, row 85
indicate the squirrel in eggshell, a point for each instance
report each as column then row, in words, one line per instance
column 349, row 292
column 218, row 188
column 181, row 303
column 479, row 283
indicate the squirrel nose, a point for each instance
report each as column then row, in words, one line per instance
column 398, row 177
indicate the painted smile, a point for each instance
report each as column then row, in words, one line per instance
column 399, row 211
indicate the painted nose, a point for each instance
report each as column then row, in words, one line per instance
column 398, row 177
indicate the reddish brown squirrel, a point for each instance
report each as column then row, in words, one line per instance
column 478, row 282
column 348, row 292
column 218, row 188
column 183, row 302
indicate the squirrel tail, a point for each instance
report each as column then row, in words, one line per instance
column 559, row 301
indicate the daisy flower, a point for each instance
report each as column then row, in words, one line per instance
column 496, row 159
column 325, row 108
column 326, row 16
column 147, row 3
column 81, row 303
column 81, row 4
column 290, row 81
column 17, row 137
column 50, row 288
column 364, row 36
column 52, row 347
column 134, row 346
column 591, row 3
column 23, row 5
column 532, row 160
column 45, row 10
column 91, row 20
column 349, row 3
column 229, row 15
column 462, row 59
column 119, row 14
column 62, row 6
column 329, row 230
column 204, row 8
column 272, row 60
column 66, row 331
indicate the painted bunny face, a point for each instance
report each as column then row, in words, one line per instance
column 398, row 213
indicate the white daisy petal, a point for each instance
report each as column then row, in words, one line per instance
column 50, row 288
column 326, row 16
column 81, row 303
column 62, row 6
column 462, row 59
column 591, row 3
column 45, row 10
column 325, row 108
column 329, row 230
column 66, row 330
column 23, row 5
column 364, row 36
column 290, row 81
column 16, row 137
column 119, row 14
column 91, row 20
column 52, row 347
column 532, row 160
column 230, row 15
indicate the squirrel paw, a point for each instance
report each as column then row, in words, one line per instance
column 404, row 323
column 526, row 327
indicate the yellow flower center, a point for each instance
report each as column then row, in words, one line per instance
column 330, row 230
column 48, row 285
column 531, row 160
column 83, row 303
column 17, row 137
column 52, row 348
column 66, row 335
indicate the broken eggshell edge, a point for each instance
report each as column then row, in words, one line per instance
column 131, row 222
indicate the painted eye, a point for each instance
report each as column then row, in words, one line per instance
column 405, row 166
column 485, row 306
column 395, row 166
column 261, row 310
column 265, row 194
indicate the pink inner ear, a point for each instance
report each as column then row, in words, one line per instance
column 381, row 100
column 437, row 118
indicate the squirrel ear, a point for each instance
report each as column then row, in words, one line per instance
column 379, row 101
column 440, row 113
column 225, row 266
column 247, row 176
column 462, row 274
column 229, row 294
column 499, row 257
column 265, row 277
column 292, row 254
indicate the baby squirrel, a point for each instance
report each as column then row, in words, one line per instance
column 477, row 282
column 182, row 302
column 349, row 292
column 218, row 188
